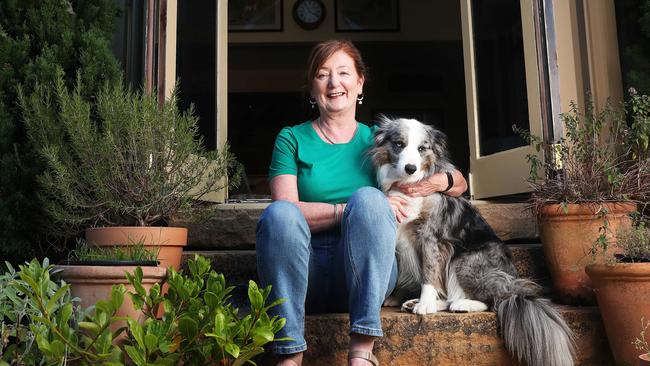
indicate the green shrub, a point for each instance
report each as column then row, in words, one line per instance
column 123, row 160
column 41, row 324
column 38, row 37
column 200, row 326
column 599, row 159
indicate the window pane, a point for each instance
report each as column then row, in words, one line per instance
column 500, row 74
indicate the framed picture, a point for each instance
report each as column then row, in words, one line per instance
column 255, row 16
column 366, row 15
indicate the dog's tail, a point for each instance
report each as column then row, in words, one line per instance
column 534, row 332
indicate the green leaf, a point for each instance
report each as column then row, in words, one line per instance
column 188, row 327
column 232, row 349
column 255, row 296
column 135, row 355
column 90, row 327
column 137, row 331
column 57, row 348
column 51, row 304
column 211, row 300
column 262, row 335
column 117, row 296
column 151, row 342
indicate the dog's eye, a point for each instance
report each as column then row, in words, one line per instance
column 422, row 149
column 398, row 144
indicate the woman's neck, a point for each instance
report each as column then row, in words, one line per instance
column 336, row 130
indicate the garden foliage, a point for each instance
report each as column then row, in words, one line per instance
column 121, row 160
column 37, row 38
column 40, row 324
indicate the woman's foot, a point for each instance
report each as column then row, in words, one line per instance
column 291, row 360
column 361, row 342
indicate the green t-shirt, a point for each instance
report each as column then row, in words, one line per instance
column 326, row 173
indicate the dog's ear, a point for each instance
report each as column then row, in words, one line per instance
column 438, row 141
column 383, row 123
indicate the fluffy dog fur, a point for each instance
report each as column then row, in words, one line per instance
column 450, row 255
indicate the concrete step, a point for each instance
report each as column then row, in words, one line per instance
column 443, row 339
column 233, row 225
column 239, row 265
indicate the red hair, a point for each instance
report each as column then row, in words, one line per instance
column 322, row 51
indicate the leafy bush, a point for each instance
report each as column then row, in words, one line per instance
column 47, row 325
column 37, row 37
column 599, row 159
column 42, row 324
column 123, row 160
column 199, row 326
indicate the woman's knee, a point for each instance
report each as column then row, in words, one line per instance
column 369, row 203
column 280, row 221
column 279, row 214
column 368, row 197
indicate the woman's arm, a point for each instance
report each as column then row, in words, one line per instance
column 320, row 216
column 436, row 183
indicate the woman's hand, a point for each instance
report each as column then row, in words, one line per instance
column 422, row 188
column 398, row 204
column 436, row 183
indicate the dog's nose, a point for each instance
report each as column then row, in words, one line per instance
column 410, row 169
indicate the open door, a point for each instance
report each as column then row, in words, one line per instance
column 502, row 89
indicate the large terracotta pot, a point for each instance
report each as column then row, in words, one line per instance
column 94, row 283
column 567, row 238
column 623, row 293
column 168, row 240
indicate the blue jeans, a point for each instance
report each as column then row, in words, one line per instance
column 349, row 268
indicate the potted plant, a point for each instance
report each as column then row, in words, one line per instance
column 622, row 287
column 92, row 272
column 122, row 165
column 591, row 180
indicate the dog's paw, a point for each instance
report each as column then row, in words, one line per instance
column 467, row 306
column 425, row 307
column 408, row 305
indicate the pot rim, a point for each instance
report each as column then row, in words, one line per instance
column 619, row 271
column 111, row 263
column 586, row 208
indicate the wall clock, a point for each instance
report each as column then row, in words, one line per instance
column 309, row 14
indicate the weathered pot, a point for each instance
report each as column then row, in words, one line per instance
column 170, row 241
column 567, row 238
column 94, row 283
column 622, row 291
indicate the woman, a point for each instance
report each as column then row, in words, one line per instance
column 327, row 242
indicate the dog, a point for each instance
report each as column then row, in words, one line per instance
column 449, row 254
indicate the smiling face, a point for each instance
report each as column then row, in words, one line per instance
column 336, row 84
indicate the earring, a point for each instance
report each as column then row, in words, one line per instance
column 360, row 98
column 312, row 101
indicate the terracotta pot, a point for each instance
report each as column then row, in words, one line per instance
column 622, row 291
column 168, row 240
column 94, row 283
column 644, row 360
column 567, row 239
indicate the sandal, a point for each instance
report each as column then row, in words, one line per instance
column 368, row 356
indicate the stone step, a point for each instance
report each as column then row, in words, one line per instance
column 239, row 265
column 233, row 225
column 443, row 339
